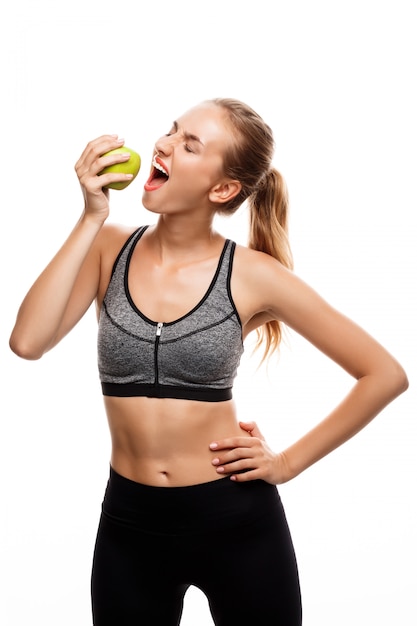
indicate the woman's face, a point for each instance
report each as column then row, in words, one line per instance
column 188, row 161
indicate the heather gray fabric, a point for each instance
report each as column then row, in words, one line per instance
column 195, row 357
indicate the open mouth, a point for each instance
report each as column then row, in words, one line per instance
column 159, row 175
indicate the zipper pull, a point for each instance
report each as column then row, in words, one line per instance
column 159, row 329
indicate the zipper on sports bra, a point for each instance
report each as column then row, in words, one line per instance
column 157, row 336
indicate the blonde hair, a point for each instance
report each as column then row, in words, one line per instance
column 249, row 161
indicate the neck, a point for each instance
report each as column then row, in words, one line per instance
column 179, row 235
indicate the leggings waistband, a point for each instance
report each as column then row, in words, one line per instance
column 214, row 505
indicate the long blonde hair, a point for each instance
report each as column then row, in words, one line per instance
column 249, row 161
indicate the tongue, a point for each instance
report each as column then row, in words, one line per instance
column 155, row 180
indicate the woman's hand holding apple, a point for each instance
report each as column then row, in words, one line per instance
column 104, row 164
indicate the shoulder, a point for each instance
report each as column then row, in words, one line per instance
column 113, row 235
column 259, row 270
column 272, row 288
column 258, row 283
column 248, row 256
column 110, row 240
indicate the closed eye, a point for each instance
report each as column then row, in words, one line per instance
column 187, row 136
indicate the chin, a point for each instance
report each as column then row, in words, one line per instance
column 153, row 207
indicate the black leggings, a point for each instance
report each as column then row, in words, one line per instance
column 231, row 540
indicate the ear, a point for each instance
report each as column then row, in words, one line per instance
column 225, row 191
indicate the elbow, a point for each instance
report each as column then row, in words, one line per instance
column 24, row 349
column 404, row 382
column 398, row 380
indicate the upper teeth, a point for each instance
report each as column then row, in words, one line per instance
column 159, row 167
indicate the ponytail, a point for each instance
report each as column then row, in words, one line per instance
column 269, row 218
column 248, row 159
column 269, row 233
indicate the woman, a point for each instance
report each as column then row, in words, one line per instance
column 192, row 498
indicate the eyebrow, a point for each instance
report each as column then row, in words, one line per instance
column 188, row 136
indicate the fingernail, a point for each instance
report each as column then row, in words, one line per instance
column 213, row 446
column 220, row 469
column 216, row 461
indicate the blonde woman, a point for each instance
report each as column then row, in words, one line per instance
column 192, row 494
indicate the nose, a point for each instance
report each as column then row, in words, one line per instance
column 165, row 144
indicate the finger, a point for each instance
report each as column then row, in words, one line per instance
column 236, row 466
column 236, row 454
column 92, row 143
column 112, row 159
column 107, row 179
column 252, row 428
column 244, row 477
column 248, row 426
column 95, row 149
column 232, row 442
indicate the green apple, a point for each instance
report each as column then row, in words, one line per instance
column 132, row 166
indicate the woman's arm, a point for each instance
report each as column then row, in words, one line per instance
column 68, row 285
column 60, row 295
column 379, row 378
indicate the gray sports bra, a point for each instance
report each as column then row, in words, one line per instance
column 194, row 357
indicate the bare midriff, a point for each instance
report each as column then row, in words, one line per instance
column 165, row 442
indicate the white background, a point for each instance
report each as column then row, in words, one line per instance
column 337, row 82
